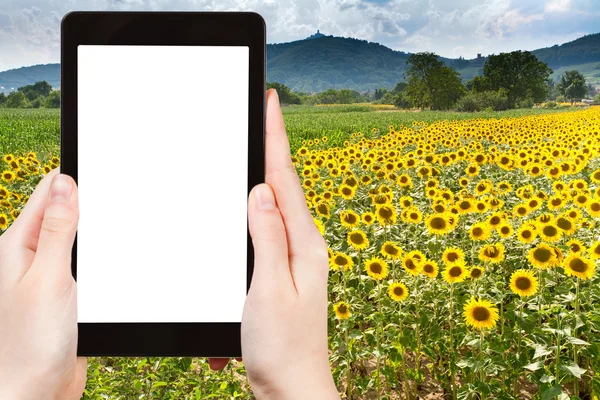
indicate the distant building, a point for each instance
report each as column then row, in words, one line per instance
column 316, row 35
column 479, row 56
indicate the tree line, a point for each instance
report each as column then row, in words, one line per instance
column 509, row 80
column 38, row 95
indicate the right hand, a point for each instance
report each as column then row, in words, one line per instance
column 284, row 325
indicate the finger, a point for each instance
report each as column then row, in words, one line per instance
column 271, row 264
column 302, row 234
column 217, row 364
column 58, row 228
column 22, row 237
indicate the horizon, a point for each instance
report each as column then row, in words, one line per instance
column 30, row 29
column 343, row 37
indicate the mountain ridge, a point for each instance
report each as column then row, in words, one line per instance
column 321, row 62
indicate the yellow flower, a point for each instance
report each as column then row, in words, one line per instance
column 398, row 291
column 542, row 256
column 524, row 283
column 349, row 219
column 391, row 250
column 480, row 314
column 453, row 255
column 476, row 272
column 412, row 263
column 527, row 233
column 581, row 267
column 439, row 224
column 576, row 246
column 479, row 231
column 493, row 253
column 430, row 268
column 3, row 221
column 368, row 218
column 376, row 268
column 320, row 226
column 386, row 215
column 358, row 239
column 342, row 310
column 549, row 232
column 455, row 273
column 505, row 230
column 341, row 261
column 8, row 176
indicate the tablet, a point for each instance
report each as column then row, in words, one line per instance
column 162, row 128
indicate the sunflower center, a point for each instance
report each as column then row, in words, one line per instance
column 346, row 191
column 477, row 232
column 505, row 230
column 464, row 205
column 526, row 234
column 339, row 260
column 350, row 218
column 376, row 268
column 428, row 268
column 481, row 314
column 414, row 216
column 357, row 238
column 578, row 265
column 476, row 273
column 542, row 255
column 523, row 283
column 495, row 220
column 390, row 249
column 595, row 207
column 398, row 291
column 491, row 252
column 410, row 264
column 550, row 231
column 342, row 308
column 385, row 212
column 556, row 202
column 455, row 272
column 438, row 223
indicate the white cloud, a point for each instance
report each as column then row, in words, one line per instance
column 30, row 29
column 557, row 5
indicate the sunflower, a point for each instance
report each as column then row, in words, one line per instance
column 550, row 232
column 8, row 176
column 376, row 268
column 386, row 215
column 480, row 314
column 368, row 218
column 453, row 255
column 3, row 221
column 398, row 291
column 581, row 267
column 593, row 208
column 576, row 246
column 505, row 230
column 15, row 213
column 391, row 250
column 342, row 310
column 358, row 239
column 341, row 261
column 495, row 220
column 8, row 158
column 527, row 233
column 323, row 210
column 347, row 192
column 524, row 283
column 476, row 272
column 465, row 206
column 349, row 219
column 430, row 268
column 493, row 253
column 521, row 210
column 413, row 262
column 455, row 273
column 479, row 231
column 320, row 226
column 595, row 250
column 542, row 256
column 439, row 224
column 411, row 215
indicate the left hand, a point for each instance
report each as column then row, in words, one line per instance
column 38, row 297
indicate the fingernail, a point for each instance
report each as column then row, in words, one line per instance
column 264, row 197
column 61, row 188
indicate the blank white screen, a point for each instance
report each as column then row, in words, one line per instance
column 162, row 174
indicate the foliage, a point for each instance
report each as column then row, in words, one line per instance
column 53, row 99
column 37, row 95
column 431, row 84
column 342, row 96
column 572, row 86
column 597, row 99
column 2, row 99
column 479, row 101
column 38, row 89
column 16, row 100
column 520, row 73
column 285, row 94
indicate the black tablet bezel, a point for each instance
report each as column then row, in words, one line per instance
column 168, row 29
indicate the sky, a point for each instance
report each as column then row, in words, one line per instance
column 30, row 29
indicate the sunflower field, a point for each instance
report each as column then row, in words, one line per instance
column 463, row 257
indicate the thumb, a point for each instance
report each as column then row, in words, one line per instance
column 269, row 239
column 58, row 228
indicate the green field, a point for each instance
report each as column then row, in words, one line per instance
column 22, row 131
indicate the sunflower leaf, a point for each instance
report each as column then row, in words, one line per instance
column 577, row 341
column 535, row 366
column 540, row 351
column 574, row 370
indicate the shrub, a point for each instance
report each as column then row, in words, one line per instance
column 551, row 104
column 496, row 101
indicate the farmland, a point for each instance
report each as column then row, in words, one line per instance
column 463, row 250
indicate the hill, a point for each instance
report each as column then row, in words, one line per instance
column 321, row 62
column 14, row 78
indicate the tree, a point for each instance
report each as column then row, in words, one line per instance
column 53, row 99
column 597, row 99
column 379, row 93
column 520, row 73
column 41, row 88
column 431, row 83
column 572, row 86
column 16, row 100
column 285, row 93
column 478, row 84
column 2, row 99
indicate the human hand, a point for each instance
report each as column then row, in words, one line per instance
column 284, row 325
column 38, row 307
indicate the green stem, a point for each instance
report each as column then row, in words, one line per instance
column 481, row 370
column 451, row 347
column 557, row 361
column 575, row 351
column 519, row 338
column 540, row 279
column 418, row 333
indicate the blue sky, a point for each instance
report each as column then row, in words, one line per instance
column 30, row 29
